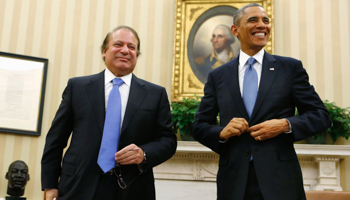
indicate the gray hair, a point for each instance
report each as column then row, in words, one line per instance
column 104, row 45
column 229, row 36
column 239, row 13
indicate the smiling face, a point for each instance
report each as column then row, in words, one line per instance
column 253, row 30
column 120, row 56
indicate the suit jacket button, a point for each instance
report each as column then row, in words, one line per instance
column 246, row 153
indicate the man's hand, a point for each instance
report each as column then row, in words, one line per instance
column 235, row 127
column 269, row 129
column 130, row 154
column 50, row 194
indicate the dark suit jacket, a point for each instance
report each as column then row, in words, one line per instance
column 147, row 123
column 284, row 85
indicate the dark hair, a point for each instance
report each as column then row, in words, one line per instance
column 239, row 13
column 104, row 45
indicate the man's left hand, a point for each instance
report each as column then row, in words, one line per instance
column 131, row 154
column 269, row 129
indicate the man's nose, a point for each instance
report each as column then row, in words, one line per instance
column 124, row 49
column 261, row 24
column 18, row 173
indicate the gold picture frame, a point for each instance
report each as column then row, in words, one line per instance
column 192, row 19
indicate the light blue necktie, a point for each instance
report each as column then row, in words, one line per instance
column 110, row 138
column 250, row 86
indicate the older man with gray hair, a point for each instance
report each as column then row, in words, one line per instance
column 222, row 52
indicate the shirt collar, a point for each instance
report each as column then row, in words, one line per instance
column 243, row 57
column 109, row 76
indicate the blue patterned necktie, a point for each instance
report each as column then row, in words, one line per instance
column 110, row 138
column 250, row 86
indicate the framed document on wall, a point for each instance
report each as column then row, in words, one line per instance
column 195, row 24
column 22, row 91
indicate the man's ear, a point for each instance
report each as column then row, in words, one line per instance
column 234, row 30
column 28, row 177
column 7, row 175
column 104, row 53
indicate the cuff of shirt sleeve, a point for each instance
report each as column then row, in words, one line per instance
column 290, row 127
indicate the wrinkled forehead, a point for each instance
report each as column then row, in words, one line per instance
column 254, row 11
column 124, row 35
column 18, row 166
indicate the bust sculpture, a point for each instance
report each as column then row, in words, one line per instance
column 17, row 176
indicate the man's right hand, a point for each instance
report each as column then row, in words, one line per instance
column 50, row 194
column 235, row 127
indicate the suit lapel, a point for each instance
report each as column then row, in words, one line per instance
column 136, row 96
column 232, row 77
column 95, row 90
column 268, row 73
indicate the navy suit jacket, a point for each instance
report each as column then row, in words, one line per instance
column 284, row 85
column 147, row 123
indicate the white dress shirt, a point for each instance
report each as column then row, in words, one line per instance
column 124, row 90
column 243, row 64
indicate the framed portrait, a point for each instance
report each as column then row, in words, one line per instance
column 22, row 91
column 199, row 46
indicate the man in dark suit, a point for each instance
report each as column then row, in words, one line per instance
column 256, row 134
column 145, row 140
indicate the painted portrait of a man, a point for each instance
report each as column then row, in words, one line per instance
column 222, row 51
column 211, row 43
